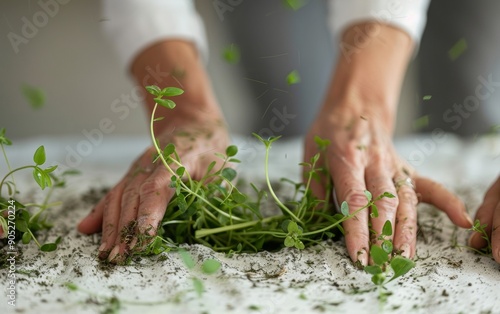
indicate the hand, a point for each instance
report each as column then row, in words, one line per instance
column 362, row 157
column 136, row 205
column 357, row 117
column 489, row 213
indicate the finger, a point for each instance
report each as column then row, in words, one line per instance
column 405, row 233
column 92, row 223
column 379, row 180
column 350, row 186
column 436, row 194
column 485, row 214
column 126, row 229
column 317, row 187
column 155, row 194
column 495, row 233
column 110, row 207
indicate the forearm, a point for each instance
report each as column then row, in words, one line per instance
column 369, row 72
column 176, row 63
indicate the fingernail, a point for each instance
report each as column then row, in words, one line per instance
column 469, row 219
column 102, row 247
column 133, row 243
column 114, row 253
column 363, row 257
column 405, row 250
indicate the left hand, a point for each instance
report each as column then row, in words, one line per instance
column 489, row 213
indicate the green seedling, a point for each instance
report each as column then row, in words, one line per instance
column 385, row 264
column 208, row 267
column 21, row 221
column 231, row 54
column 293, row 78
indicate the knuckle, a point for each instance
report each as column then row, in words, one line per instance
column 388, row 203
column 355, row 198
column 153, row 186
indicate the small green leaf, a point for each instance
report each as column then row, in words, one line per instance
column 373, row 269
column 293, row 77
column 26, row 238
column 374, row 213
column 228, row 173
column 378, row 255
column 401, row 265
column 169, row 149
column 368, row 195
column 231, row 54
column 299, row 245
column 180, row 171
column 35, row 96
column 198, row 286
column 378, row 279
column 39, row 156
column 292, row 227
column 210, row 266
column 289, row 241
column 238, row 197
column 387, row 229
column 154, row 90
column 231, row 150
column 388, row 195
column 344, row 208
column 387, row 246
column 321, row 143
column 427, row 97
column 22, row 225
column 71, row 286
column 39, row 178
column 187, row 259
column 171, row 91
column 48, row 247
column 167, row 103
column 294, row 4
column 158, row 119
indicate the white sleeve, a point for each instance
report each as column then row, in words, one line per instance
column 409, row 15
column 133, row 25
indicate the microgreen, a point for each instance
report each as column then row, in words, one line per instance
column 34, row 96
column 293, row 77
column 385, row 264
column 214, row 211
column 27, row 219
column 231, row 54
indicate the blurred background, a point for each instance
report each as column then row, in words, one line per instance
column 72, row 61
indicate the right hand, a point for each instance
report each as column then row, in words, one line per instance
column 137, row 204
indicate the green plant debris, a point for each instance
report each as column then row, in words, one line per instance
column 457, row 49
column 293, row 78
column 427, row 97
column 294, row 4
column 35, row 96
column 421, row 123
column 231, row 54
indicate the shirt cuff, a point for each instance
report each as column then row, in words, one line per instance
column 408, row 15
column 133, row 25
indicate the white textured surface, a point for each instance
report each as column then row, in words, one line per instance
column 445, row 280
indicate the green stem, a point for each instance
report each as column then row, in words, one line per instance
column 8, row 167
column 204, row 232
column 338, row 222
column 11, row 172
column 276, row 199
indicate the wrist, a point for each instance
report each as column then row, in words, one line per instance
column 175, row 63
column 369, row 72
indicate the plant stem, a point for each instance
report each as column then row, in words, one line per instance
column 11, row 172
column 276, row 199
column 204, row 232
column 8, row 167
